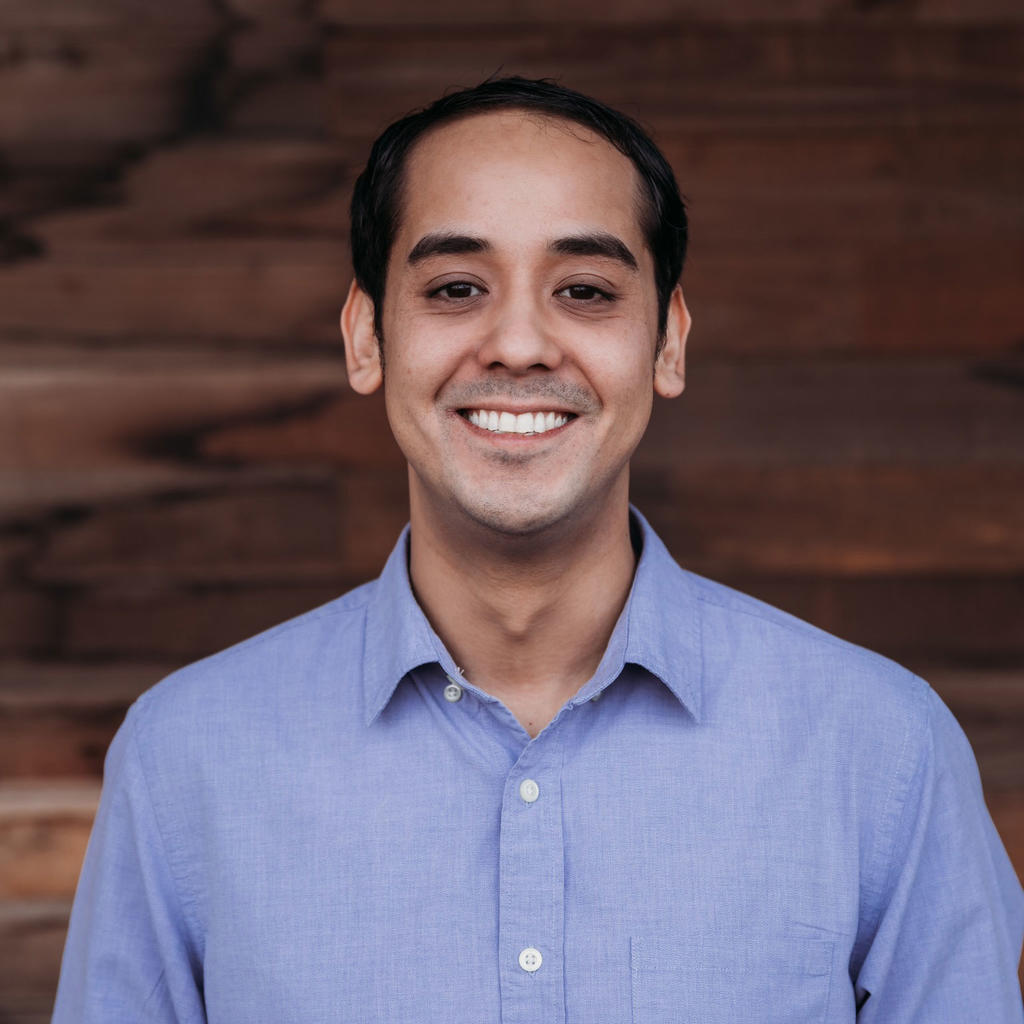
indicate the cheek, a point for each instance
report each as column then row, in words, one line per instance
column 421, row 351
column 624, row 367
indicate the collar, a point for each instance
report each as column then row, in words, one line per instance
column 659, row 629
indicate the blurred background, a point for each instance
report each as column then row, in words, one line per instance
column 182, row 464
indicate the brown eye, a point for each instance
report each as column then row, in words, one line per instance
column 586, row 293
column 456, row 290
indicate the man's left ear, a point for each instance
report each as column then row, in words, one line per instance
column 670, row 366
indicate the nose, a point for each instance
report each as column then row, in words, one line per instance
column 520, row 338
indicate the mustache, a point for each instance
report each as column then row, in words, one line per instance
column 563, row 394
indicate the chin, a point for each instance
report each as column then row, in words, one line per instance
column 514, row 518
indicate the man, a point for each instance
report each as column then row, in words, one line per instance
column 536, row 772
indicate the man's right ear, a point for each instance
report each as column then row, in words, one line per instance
column 362, row 350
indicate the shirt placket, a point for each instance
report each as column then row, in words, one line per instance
column 532, row 887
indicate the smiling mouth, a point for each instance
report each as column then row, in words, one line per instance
column 516, row 423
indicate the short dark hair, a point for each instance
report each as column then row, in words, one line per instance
column 376, row 199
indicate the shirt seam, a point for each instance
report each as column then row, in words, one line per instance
column 313, row 615
column 895, row 818
column 187, row 899
column 809, row 631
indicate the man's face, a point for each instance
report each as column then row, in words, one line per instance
column 520, row 296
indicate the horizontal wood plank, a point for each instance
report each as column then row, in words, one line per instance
column 851, row 521
column 256, row 291
column 29, row 617
column 402, row 13
column 122, row 404
column 839, row 411
column 67, row 86
column 707, row 77
column 79, row 426
column 917, row 621
column 262, row 533
column 92, row 15
column 57, row 719
column 44, row 828
column 31, row 943
column 210, row 189
column 989, row 705
column 182, row 623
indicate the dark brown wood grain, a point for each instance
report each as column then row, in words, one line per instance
column 82, row 80
column 921, row 620
column 291, row 532
column 841, row 520
column 28, row 618
column 660, row 12
column 701, row 76
column 182, row 623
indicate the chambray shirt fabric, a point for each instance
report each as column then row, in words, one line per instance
column 756, row 822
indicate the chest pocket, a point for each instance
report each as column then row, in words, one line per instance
column 779, row 981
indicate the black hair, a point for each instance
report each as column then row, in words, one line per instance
column 376, row 199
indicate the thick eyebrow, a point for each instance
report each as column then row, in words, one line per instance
column 442, row 243
column 599, row 243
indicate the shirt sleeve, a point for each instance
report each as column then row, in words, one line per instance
column 948, row 939
column 128, row 954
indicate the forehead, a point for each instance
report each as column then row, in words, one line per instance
column 513, row 172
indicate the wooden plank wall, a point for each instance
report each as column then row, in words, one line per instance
column 181, row 463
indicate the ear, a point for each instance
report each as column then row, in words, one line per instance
column 362, row 350
column 670, row 366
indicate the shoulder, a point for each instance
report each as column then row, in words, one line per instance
column 259, row 677
column 789, row 660
column 872, row 734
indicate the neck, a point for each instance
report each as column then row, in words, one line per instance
column 526, row 618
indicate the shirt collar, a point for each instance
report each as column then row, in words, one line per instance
column 663, row 619
column 659, row 629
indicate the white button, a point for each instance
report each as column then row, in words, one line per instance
column 530, row 959
column 529, row 791
column 596, row 697
column 453, row 692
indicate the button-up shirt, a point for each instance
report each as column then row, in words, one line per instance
column 738, row 818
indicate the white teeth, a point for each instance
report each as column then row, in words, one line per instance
column 511, row 423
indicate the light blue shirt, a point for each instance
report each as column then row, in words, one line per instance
column 756, row 822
